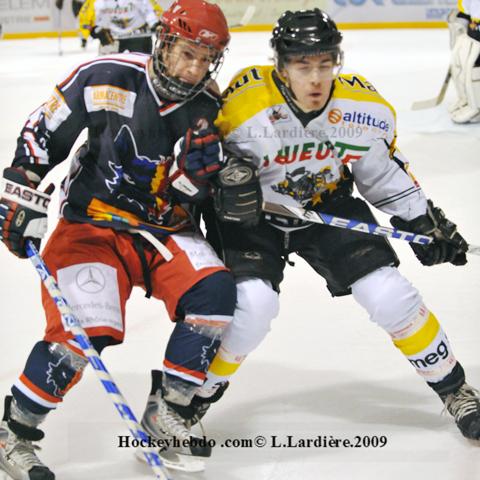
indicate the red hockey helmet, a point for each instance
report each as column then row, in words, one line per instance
column 201, row 24
column 199, row 21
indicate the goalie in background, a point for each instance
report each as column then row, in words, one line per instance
column 464, row 26
column 119, row 25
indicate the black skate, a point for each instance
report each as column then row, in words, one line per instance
column 464, row 406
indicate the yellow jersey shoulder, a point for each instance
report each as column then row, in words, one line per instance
column 250, row 91
column 352, row 86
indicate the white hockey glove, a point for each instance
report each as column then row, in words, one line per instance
column 23, row 211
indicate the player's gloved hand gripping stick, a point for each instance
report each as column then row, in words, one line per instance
column 417, row 239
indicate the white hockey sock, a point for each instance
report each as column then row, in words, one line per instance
column 426, row 346
column 395, row 305
column 223, row 366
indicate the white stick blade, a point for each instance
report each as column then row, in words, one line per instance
column 433, row 102
column 248, row 15
column 424, row 104
column 474, row 249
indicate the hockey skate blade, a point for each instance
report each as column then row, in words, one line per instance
column 176, row 461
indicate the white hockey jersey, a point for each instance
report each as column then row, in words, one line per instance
column 122, row 17
column 470, row 7
column 303, row 164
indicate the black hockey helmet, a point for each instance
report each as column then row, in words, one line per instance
column 305, row 32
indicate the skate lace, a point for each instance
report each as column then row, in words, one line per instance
column 463, row 402
column 171, row 422
column 200, row 424
column 22, row 452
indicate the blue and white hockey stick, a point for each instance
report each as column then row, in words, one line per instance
column 350, row 224
column 101, row 371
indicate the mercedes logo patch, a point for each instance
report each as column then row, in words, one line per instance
column 90, row 279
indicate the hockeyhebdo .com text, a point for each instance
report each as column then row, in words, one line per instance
column 258, row 441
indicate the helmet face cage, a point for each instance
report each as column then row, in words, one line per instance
column 171, row 87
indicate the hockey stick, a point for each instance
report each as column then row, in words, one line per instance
column 433, row 102
column 350, row 224
column 134, row 36
column 247, row 16
column 59, row 6
column 101, row 371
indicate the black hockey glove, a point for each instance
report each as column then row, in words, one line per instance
column 238, row 194
column 198, row 156
column 448, row 247
column 154, row 27
column 23, row 211
column 103, row 34
column 474, row 30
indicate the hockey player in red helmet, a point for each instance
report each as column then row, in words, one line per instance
column 193, row 32
column 151, row 150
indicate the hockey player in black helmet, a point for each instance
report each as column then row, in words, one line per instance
column 298, row 40
column 296, row 116
column 306, row 32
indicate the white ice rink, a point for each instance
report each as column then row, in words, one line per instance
column 324, row 369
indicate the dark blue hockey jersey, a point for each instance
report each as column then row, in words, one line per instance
column 119, row 177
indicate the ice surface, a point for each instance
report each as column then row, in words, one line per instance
column 324, row 369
